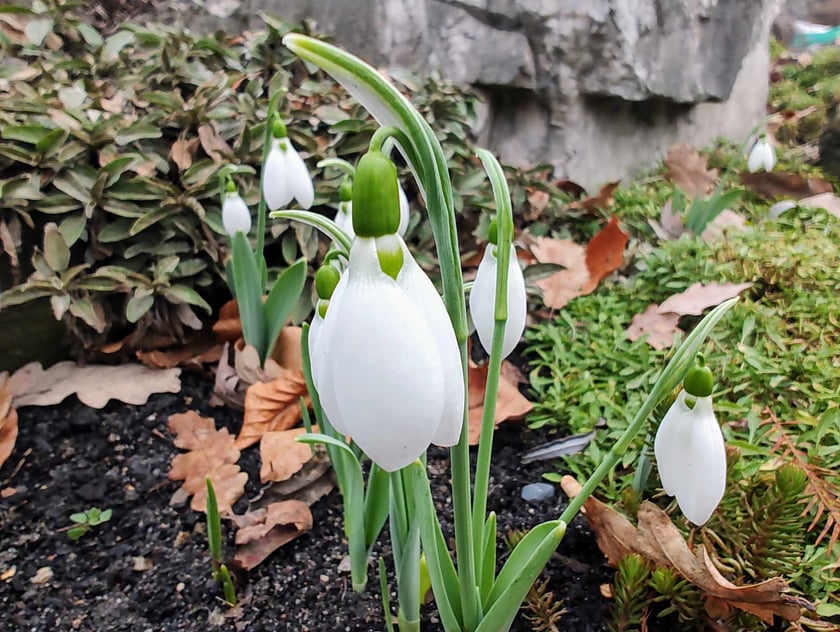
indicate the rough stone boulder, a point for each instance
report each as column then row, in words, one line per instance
column 598, row 88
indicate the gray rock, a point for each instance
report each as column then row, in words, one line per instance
column 537, row 492
column 599, row 89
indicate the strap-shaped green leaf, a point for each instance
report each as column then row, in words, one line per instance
column 487, row 571
column 282, row 300
column 246, row 279
column 376, row 503
column 214, row 523
column 518, row 575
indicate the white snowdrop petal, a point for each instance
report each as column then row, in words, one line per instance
column 298, row 178
column 404, row 211
column 387, row 377
column 322, row 373
column 670, row 443
column 704, row 479
column 762, row 156
column 276, row 193
column 426, row 298
column 344, row 218
column 235, row 214
column 483, row 301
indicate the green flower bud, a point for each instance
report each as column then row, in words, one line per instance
column 278, row 129
column 699, row 381
column 493, row 233
column 230, row 187
column 326, row 279
column 376, row 199
column 345, row 192
column 791, row 480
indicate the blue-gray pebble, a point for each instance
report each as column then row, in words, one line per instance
column 536, row 492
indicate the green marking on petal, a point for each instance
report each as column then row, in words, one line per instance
column 390, row 255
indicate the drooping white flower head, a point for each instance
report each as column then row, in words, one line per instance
column 382, row 379
column 404, row 211
column 762, row 155
column 236, row 216
column 285, row 176
column 483, row 300
column 691, row 457
column 386, row 363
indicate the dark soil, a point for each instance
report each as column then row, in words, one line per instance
column 148, row 568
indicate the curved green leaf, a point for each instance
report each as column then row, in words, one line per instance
column 282, row 300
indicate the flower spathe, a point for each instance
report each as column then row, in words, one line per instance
column 381, row 376
column 483, row 301
column 691, row 457
column 285, row 176
column 762, row 155
column 235, row 214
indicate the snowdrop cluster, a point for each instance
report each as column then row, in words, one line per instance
column 690, row 450
column 384, row 358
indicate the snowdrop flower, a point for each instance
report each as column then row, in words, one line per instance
column 690, row 451
column 386, row 353
column 344, row 216
column 483, row 298
column 285, row 176
column 235, row 213
column 762, row 155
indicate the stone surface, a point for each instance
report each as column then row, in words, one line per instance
column 537, row 492
column 599, row 89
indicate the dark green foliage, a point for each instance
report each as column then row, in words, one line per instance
column 630, row 594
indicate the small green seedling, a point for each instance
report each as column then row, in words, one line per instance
column 214, row 540
column 86, row 520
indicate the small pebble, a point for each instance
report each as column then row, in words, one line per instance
column 536, row 492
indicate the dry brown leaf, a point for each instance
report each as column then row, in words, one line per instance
column 193, row 355
column 605, row 253
column 94, row 385
column 182, row 152
column 561, row 287
column 828, row 201
column 212, row 454
column 775, row 184
column 287, row 351
column 311, row 483
column 658, row 540
column 670, row 224
column 213, row 144
column 686, row 167
column 8, row 419
column 659, row 328
column 265, row 530
column 510, row 403
column 697, row 298
column 228, row 328
column 271, row 406
column 602, row 200
column 281, row 455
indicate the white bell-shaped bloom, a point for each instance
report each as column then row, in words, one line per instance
column 483, row 301
column 236, row 216
column 285, row 176
column 344, row 218
column 422, row 291
column 381, row 377
column 691, row 457
column 318, row 361
column 762, row 156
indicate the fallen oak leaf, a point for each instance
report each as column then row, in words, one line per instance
column 310, row 484
column 271, row 406
column 265, row 530
column 686, row 168
column 510, row 403
column 657, row 326
column 775, row 184
column 8, row 419
column 228, row 327
column 601, row 200
column 561, row 287
column 193, row 355
column 605, row 253
column 94, row 385
column 211, row 454
column 281, row 455
column 658, row 540
column 698, row 297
